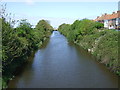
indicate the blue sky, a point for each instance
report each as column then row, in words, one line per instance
column 59, row 12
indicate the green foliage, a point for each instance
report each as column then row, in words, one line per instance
column 98, row 25
column 19, row 42
column 44, row 27
column 65, row 29
column 102, row 43
column 85, row 27
column 107, row 50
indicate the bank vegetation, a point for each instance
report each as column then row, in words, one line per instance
column 19, row 42
column 101, row 43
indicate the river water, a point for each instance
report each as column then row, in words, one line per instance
column 59, row 64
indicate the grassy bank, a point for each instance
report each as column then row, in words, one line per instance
column 18, row 44
column 101, row 43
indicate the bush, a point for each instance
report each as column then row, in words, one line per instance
column 102, row 43
column 18, row 43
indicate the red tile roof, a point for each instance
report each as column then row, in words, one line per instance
column 108, row 16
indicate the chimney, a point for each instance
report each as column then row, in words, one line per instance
column 98, row 16
column 105, row 14
column 118, row 11
column 113, row 13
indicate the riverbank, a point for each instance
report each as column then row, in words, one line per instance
column 59, row 64
column 14, row 68
column 101, row 43
column 18, row 44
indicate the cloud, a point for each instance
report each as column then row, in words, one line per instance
column 30, row 2
column 33, row 1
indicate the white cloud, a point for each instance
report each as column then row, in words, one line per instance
column 32, row 1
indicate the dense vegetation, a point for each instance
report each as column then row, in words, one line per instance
column 100, row 42
column 18, row 43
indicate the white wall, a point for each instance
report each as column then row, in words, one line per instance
column 117, row 21
column 106, row 23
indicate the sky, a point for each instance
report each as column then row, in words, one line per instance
column 59, row 12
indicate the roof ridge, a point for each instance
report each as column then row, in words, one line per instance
column 108, row 16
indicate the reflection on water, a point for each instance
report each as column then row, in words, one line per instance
column 63, row 65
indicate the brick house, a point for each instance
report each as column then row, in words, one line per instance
column 111, row 21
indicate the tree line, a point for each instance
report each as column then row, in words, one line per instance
column 18, row 44
column 101, row 43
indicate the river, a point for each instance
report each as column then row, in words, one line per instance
column 59, row 64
